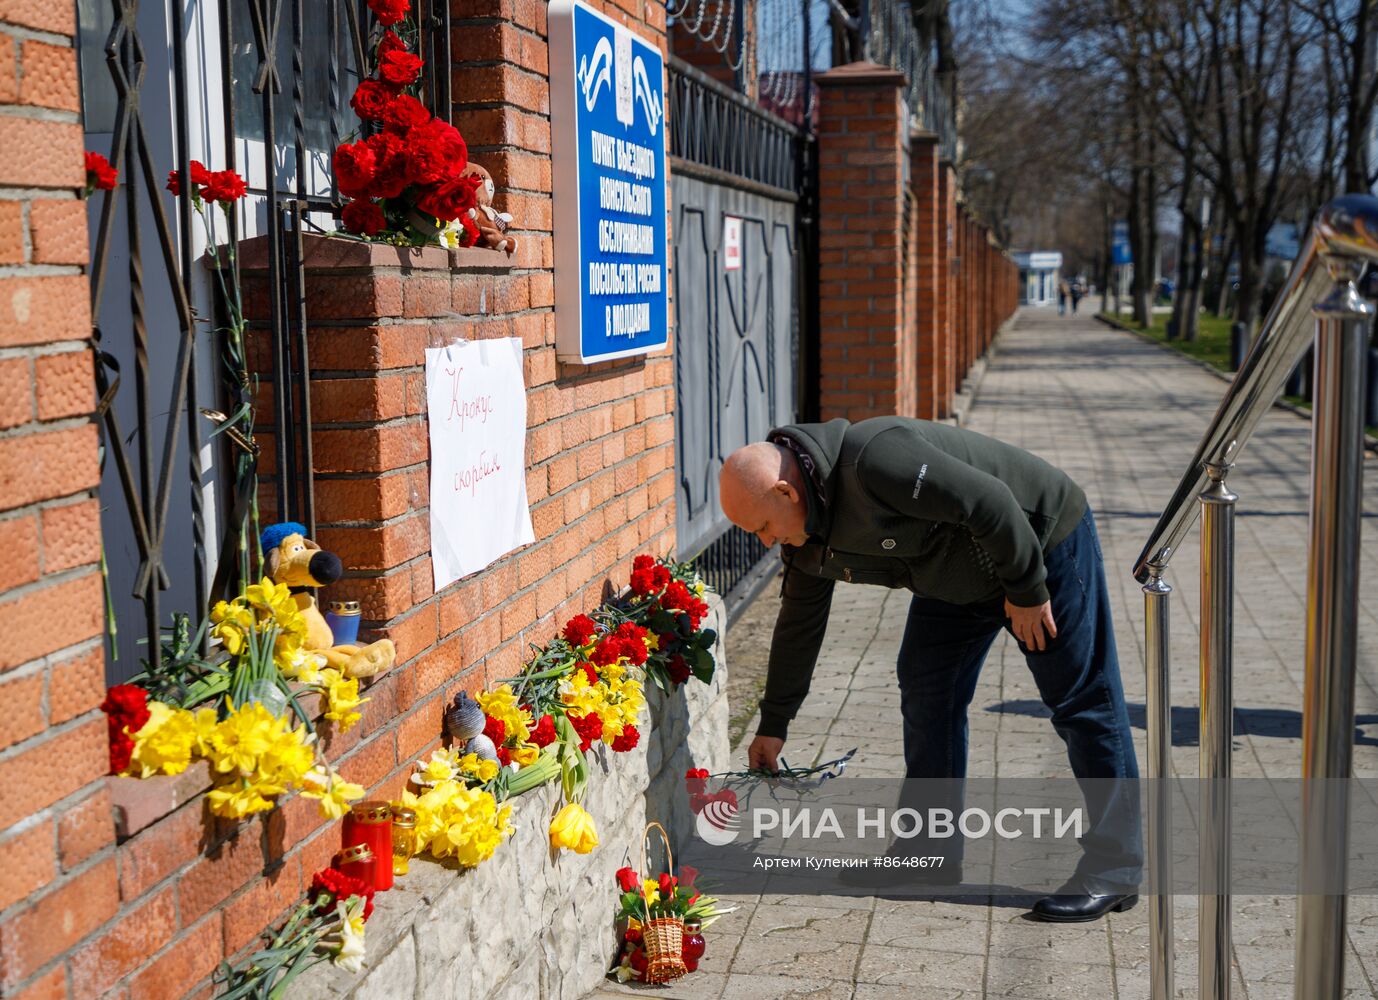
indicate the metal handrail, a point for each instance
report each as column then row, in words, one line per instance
column 1347, row 226
column 1320, row 305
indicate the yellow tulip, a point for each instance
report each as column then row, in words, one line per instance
column 573, row 829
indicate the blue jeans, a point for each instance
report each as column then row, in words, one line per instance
column 1078, row 678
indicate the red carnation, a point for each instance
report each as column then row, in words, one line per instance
column 437, row 152
column 504, row 756
column 633, row 638
column 628, row 740
column 390, row 177
column 627, row 879
column 667, row 885
column 371, row 100
column 389, row 12
column 364, row 217
column 399, row 67
column 544, row 733
column 468, row 233
column 404, row 112
column 589, row 727
column 451, row 199
column 608, row 652
column 695, row 779
column 579, row 630
column 337, row 885
column 126, row 706
column 643, row 562
column 355, row 165
column 679, row 669
column 100, row 175
column 199, row 176
column 224, row 186
column 495, row 730
column 589, row 672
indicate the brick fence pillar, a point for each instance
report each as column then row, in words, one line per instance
column 867, row 357
column 946, row 250
column 931, row 264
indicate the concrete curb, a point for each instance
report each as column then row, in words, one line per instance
column 1370, row 440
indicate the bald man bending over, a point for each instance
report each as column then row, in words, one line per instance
column 988, row 537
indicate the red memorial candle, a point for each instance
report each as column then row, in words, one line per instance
column 371, row 823
column 357, row 861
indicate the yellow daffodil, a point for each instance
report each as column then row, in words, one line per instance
column 334, row 793
column 289, row 758
column 232, row 624
column 242, row 737
column 573, row 829
column 526, row 755
column 238, row 798
column 166, row 743
column 581, row 697
column 502, row 704
column 650, row 891
column 440, row 767
column 301, row 665
column 342, row 697
column 652, row 641
column 483, row 770
column 698, row 588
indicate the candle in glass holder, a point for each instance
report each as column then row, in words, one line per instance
column 358, row 861
column 403, row 838
column 371, row 823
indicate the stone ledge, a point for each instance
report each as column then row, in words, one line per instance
column 529, row 924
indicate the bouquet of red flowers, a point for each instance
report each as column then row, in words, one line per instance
column 407, row 180
column 667, row 599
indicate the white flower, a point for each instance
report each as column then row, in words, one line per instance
column 350, row 955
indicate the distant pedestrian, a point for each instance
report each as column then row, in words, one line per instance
column 1077, row 292
column 1061, row 297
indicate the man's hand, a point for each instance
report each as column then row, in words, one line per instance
column 764, row 753
column 1028, row 625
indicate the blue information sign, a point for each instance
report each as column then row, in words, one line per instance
column 607, row 115
column 1119, row 244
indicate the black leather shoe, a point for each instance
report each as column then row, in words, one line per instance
column 1074, row 905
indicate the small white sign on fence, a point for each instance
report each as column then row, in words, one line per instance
column 476, row 409
column 731, row 243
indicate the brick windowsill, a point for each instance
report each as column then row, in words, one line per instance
column 329, row 251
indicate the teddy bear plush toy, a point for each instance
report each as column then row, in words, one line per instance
column 492, row 224
column 293, row 560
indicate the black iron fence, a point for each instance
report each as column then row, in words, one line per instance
column 261, row 87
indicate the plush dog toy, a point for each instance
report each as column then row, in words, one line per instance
column 291, row 559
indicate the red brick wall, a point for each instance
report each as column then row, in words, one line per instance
column 81, row 916
column 59, row 881
column 867, row 356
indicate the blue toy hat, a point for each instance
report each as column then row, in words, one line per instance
column 274, row 534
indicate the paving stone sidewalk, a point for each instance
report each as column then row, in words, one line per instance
column 1122, row 416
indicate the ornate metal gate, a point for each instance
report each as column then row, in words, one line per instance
column 739, row 227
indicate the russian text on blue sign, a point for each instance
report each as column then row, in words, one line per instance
column 608, row 131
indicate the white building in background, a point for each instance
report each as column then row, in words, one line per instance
column 1039, row 274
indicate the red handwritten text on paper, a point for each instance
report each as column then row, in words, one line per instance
column 473, row 408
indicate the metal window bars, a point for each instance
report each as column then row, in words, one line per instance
column 269, row 94
column 1322, row 285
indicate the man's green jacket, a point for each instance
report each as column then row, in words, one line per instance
column 945, row 512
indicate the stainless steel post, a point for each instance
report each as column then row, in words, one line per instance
column 1332, row 590
column 1217, row 730
column 1157, row 603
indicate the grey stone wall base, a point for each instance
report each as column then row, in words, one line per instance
column 528, row 924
